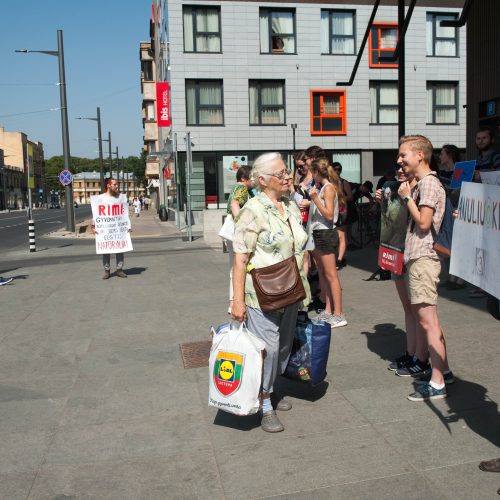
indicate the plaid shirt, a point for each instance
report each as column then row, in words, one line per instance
column 429, row 192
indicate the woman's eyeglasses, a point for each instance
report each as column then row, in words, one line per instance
column 281, row 175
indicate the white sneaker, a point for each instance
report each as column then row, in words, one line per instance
column 337, row 321
column 6, row 281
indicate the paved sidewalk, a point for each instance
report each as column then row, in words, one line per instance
column 95, row 403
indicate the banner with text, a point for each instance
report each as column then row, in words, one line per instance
column 112, row 224
column 394, row 216
column 475, row 251
column 163, row 104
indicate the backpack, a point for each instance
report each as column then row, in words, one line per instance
column 443, row 237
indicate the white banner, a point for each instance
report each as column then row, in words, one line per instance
column 475, row 250
column 112, row 224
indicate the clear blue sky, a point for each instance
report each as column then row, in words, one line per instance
column 101, row 48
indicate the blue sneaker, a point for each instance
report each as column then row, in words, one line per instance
column 413, row 369
column 426, row 378
column 427, row 392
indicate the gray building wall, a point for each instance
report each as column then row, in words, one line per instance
column 241, row 60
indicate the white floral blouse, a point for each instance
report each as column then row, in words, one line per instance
column 263, row 232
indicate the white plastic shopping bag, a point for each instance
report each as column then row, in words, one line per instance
column 227, row 230
column 235, row 371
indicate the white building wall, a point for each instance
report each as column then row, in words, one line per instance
column 241, row 60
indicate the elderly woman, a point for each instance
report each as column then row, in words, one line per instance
column 268, row 231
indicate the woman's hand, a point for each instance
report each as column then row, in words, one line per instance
column 404, row 190
column 239, row 310
column 313, row 193
column 304, row 203
column 378, row 195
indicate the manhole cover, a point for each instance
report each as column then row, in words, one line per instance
column 195, row 354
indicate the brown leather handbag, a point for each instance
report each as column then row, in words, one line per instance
column 278, row 285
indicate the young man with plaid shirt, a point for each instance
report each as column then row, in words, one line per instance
column 426, row 206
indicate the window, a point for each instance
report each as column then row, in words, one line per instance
column 277, row 31
column 442, row 103
column 204, row 103
column 351, row 165
column 338, row 32
column 383, row 102
column 441, row 41
column 267, row 102
column 201, row 29
column 147, row 70
column 328, row 113
column 150, row 111
column 382, row 42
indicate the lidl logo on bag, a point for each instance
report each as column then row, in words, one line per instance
column 227, row 372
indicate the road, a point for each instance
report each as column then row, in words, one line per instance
column 14, row 225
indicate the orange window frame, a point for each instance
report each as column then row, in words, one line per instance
column 380, row 27
column 341, row 115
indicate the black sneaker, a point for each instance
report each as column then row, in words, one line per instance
column 400, row 362
column 413, row 369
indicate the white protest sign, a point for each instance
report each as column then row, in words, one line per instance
column 112, row 224
column 492, row 177
column 475, row 250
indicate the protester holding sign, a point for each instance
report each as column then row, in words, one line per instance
column 394, row 215
column 426, row 206
column 111, row 225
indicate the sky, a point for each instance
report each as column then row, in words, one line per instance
column 101, row 52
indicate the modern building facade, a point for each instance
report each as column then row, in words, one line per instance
column 23, row 166
column 248, row 77
column 87, row 184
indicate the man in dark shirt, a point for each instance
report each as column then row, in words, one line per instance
column 488, row 159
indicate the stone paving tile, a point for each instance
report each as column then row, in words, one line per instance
column 277, row 466
column 188, row 475
column 16, row 486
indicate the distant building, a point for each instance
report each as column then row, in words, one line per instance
column 87, row 184
column 18, row 153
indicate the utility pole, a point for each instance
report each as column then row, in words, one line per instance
column 110, row 157
column 401, row 69
column 99, row 140
column 189, row 163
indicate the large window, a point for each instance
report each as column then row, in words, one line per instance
column 328, row 113
column 442, row 103
column 204, row 102
column 383, row 102
column 147, row 70
column 441, row 41
column 351, row 165
column 201, row 29
column 277, row 31
column 338, row 32
column 267, row 102
column 383, row 41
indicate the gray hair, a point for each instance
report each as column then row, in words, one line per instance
column 260, row 167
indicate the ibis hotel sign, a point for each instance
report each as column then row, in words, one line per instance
column 163, row 104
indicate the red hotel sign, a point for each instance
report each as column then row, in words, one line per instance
column 163, row 104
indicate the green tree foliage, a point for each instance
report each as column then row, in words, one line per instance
column 54, row 165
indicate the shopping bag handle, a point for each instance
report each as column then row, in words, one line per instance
column 235, row 323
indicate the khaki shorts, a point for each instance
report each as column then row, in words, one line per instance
column 422, row 277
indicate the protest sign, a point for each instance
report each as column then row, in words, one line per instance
column 112, row 224
column 394, row 216
column 490, row 177
column 475, row 251
column 463, row 172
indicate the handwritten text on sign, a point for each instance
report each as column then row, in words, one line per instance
column 112, row 224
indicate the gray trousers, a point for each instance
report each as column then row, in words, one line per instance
column 277, row 330
column 106, row 261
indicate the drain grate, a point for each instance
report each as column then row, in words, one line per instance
column 195, row 354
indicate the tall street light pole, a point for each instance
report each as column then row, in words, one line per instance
column 59, row 53
column 99, row 139
column 108, row 140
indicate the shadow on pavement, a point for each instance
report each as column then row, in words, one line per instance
column 8, row 270
column 225, row 419
column 131, row 271
column 465, row 396
column 387, row 341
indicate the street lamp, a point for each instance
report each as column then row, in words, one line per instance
column 108, row 140
column 99, row 138
column 59, row 53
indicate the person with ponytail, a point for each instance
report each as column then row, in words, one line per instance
column 323, row 216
